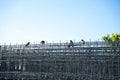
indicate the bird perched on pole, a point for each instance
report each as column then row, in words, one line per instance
column 27, row 44
column 42, row 42
column 71, row 44
column 83, row 42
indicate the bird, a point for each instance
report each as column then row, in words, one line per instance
column 27, row 44
column 71, row 43
column 83, row 41
column 42, row 42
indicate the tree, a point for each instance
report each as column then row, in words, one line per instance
column 113, row 40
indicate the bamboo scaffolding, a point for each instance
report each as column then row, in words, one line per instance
column 56, row 61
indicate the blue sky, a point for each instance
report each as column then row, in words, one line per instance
column 55, row 20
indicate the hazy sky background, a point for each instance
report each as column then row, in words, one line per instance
column 55, row 20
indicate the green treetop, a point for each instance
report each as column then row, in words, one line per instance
column 113, row 40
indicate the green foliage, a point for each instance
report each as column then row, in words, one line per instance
column 113, row 40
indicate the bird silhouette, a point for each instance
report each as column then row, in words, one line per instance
column 42, row 42
column 27, row 44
